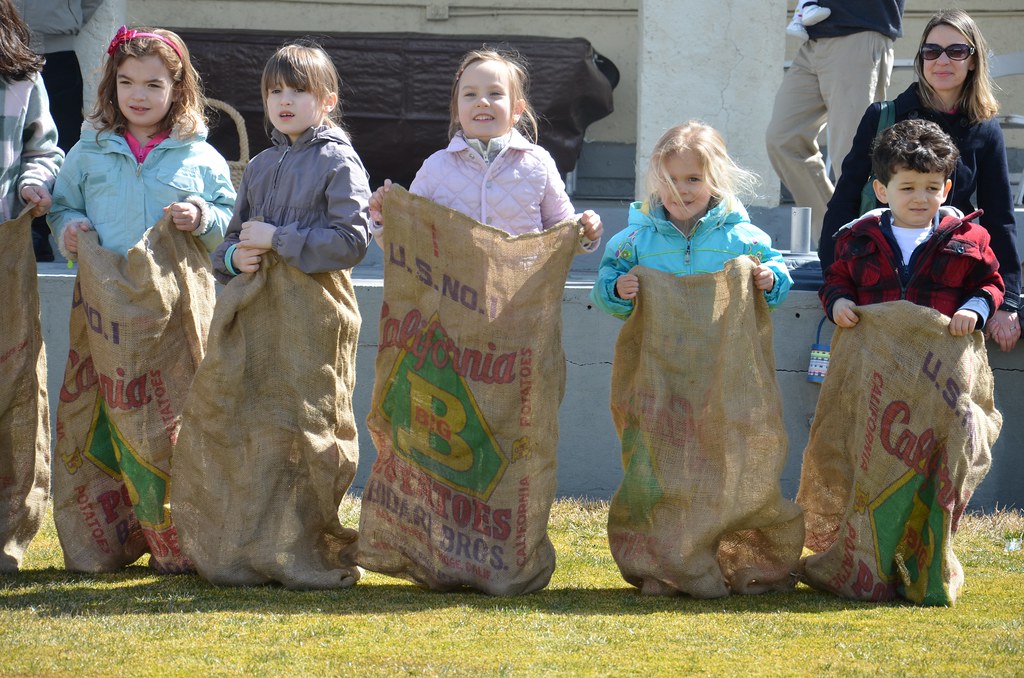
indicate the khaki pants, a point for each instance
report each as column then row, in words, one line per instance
column 833, row 80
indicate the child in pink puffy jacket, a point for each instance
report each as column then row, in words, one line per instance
column 490, row 170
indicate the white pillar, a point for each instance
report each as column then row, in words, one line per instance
column 720, row 62
column 91, row 45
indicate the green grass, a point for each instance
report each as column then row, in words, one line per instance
column 588, row 621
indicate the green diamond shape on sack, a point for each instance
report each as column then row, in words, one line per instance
column 435, row 421
column 908, row 526
column 640, row 491
column 147, row 485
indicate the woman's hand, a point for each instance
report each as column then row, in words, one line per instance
column 1004, row 328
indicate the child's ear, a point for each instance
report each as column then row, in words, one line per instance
column 946, row 189
column 880, row 192
column 517, row 112
column 330, row 101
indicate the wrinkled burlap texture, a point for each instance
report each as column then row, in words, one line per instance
column 268, row 442
column 902, row 436
column 24, row 410
column 470, row 374
column 698, row 410
column 138, row 331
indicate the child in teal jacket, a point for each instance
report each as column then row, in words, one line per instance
column 691, row 222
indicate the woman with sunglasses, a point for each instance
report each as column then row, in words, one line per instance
column 953, row 89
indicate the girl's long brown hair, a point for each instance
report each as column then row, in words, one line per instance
column 17, row 60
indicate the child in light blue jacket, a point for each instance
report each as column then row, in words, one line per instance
column 691, row 222
column 143, row 152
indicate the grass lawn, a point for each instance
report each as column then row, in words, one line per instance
column 588, row 621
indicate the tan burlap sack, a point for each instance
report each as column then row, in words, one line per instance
column 138, row 331
column 902, row 436
column 470, row 374
column 697, row 407
column 268, row 442
column 24, row 411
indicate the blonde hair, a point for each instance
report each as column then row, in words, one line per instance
column 519, row 85
column 303, row 65
column 977, row 100
column 186, row 112
column 725, row 179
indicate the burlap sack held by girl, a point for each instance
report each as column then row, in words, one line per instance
column 470, row 374
column 258, row 476
column 902, row 436
column 138, row 331
column 24, row 409
column 698, row 409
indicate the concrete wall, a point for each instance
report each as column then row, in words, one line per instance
column 589, row 453
column 694, row 64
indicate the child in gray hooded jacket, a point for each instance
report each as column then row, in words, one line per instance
column 306, row 198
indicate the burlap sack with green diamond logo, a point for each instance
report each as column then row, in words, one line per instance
column 902, row 436
column 138, row 331
column 24, row 410
column 698, row 410
column 470, row 374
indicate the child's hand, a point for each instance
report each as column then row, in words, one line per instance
column 257, row 235
column 71, row 234
column 39, row 198
column 377, row 202
column 764, row 278
column 185, row 215
column 963, row 322
column 592, row 228
column 843, row 314
column 627, row 286
column 246, row 259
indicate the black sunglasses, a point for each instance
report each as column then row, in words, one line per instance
column 957, row 52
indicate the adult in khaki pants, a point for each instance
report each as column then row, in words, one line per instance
column 838, row 72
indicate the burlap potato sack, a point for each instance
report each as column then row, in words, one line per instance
column 902, row 436
column 24, row 409
column 698, row 410
column 469, row 376
column 138, row 331
column 268, row 442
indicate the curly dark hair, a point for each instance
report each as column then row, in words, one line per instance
column 918, row 145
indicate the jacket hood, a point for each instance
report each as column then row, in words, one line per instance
column 950, row 218
column 312, row 135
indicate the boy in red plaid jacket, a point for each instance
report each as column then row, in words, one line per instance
column 913, row 250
